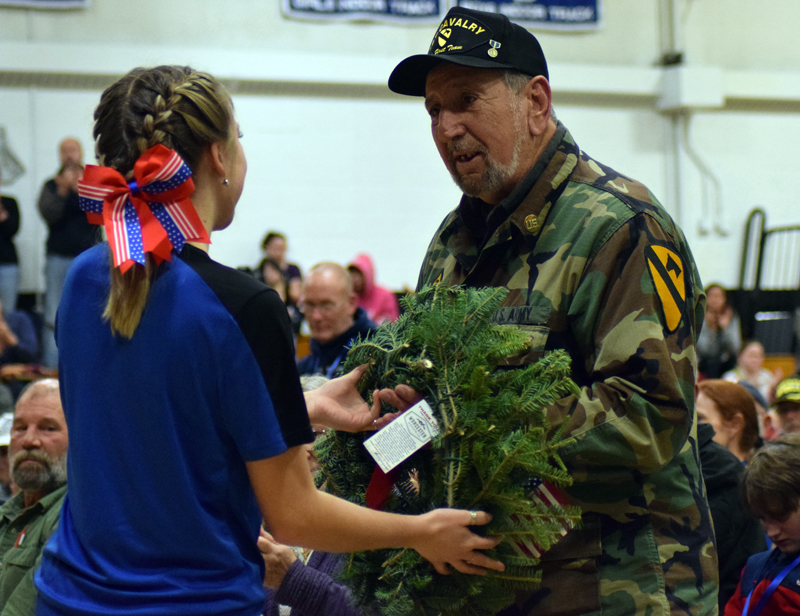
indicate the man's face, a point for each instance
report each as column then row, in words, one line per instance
column 39, row 442
column 479, row 128
column 785, row 534
column 788, row 416
column 70, row 152
column 327, row 306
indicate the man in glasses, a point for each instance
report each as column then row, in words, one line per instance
column 331, row 308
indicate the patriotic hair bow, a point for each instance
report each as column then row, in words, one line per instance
column 152, row 213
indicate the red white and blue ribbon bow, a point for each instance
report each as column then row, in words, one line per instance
column 153, row 213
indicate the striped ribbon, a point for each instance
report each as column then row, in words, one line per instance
column 548, row 495
column 153, row 213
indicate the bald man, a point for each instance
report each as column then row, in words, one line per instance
column 331, row 308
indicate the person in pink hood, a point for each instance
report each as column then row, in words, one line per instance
column 379, row 303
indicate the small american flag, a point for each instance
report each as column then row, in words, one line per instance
column 548, row 495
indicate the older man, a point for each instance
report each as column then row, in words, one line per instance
column 38, row 459
column 594, row 265
column 331, row 309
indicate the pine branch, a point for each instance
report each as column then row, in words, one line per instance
column 493, row 442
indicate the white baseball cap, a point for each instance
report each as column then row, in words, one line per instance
column 6, row 420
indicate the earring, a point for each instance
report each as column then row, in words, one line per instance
column 225, row 182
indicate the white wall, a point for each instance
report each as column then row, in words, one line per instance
column 341, row 173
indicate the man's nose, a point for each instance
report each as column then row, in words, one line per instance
column 31, row 439
column 450, row 125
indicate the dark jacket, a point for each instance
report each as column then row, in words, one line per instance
column 739, row 535
column 328, row 359
column 8, row 229
column 70, row 232
column 761, row 569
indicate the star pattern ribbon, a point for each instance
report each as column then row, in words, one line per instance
column 153, row 213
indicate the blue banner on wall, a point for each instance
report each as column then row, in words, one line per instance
column 47, row 4
column 543, row 14
column 534, row 14
column 409, row 11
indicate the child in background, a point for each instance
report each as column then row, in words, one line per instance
column 770, row 582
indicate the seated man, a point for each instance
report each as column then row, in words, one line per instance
column 38, row 459
column 18, row 341
column 331, row 309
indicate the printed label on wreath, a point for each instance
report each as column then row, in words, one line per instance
column 401, row 438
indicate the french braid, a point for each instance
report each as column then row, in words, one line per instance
column 181, row 108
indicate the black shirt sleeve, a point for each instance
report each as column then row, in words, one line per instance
column 265, row 324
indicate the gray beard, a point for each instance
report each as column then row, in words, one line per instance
column 43, row 477
column 493, row 178
column 496, row 174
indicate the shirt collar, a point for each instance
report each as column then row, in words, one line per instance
column 528, row 199
column 16, row 504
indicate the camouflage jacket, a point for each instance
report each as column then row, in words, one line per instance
column 594, row 265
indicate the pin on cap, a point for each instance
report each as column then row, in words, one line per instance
column 476, row 39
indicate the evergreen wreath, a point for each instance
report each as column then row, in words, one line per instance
column 492, row 450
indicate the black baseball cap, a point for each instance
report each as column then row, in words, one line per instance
column 471, row 38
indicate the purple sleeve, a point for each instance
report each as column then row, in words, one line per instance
column 292, row 271
column 311, row 591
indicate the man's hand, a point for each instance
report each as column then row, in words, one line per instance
column 401, row 397
column 67, row 180
column 277, row 560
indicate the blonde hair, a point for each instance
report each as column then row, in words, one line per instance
column 179, row 107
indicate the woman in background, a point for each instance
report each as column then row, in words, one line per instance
column 274, row 247
column 731, row 411
column 9, row 268
column 750, row 368
column 720, row 338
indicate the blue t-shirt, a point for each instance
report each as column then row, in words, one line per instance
column 160, row 517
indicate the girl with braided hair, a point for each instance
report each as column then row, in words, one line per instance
column 185, row 411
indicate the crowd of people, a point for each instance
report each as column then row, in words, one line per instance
column 179, row 377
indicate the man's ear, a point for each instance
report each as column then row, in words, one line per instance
column 538, row 97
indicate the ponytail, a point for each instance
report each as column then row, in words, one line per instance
column 178, row 107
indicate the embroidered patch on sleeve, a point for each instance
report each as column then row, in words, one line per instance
column 667, row 272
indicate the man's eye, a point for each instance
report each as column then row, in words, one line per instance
column 433, row 112
column 468, row 99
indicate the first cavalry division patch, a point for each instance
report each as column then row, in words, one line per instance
column 667, row 271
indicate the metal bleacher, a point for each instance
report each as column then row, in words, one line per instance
column 768, row 297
